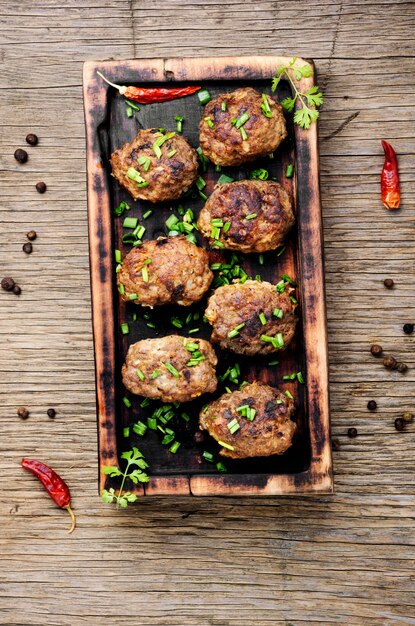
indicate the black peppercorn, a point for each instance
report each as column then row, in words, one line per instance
column 32, row 139
column 23, row 412
column 335, row 444
column 388, row 282
column 21, row 155
column 390, row 362
column 7, row 283
column 27, row 247
column 376, row 350
column 408, row 416
column 41, row 187
column 352, row 432
column 371, row 405
column 408, row 329
column 402, row 368
column 198, row 437
column 31, row 235
column 399, row 423
column 51, row 412
column 17, row 290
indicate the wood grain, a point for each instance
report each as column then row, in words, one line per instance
column 342, row 559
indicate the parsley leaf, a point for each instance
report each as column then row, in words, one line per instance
column 135, row 459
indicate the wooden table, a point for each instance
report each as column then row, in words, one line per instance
column 343, row 559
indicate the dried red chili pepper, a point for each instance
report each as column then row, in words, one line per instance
column 54, row 485
column 151, row 94
column 389, row 181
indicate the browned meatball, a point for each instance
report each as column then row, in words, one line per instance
column 157, row 178
column 255, row 215
column 238, row 312
column 168, row 270
column 171, row 369
column 225, row 144
column 262, row 426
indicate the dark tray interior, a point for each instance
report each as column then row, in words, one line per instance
column 117, row 130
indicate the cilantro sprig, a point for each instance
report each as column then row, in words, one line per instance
column 313, row 97
column 135, row 459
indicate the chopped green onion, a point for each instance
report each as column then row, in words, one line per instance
column 171, row 154
column 233, row 333
column 134, row 175
column 278, row 313
column 127, row 402
column 147, row 214
column 152, row 423
column 118, row 257
column 148, row 261
column 146, row 165
column 171, row 221
column 281, row 250
column 203, row 159
column 192, row 238
column 185, row 416
column 280, row 286
column 125, row 329
column 271, row 155
column 226, row 227
column 271, row 363
column 133, row 296
column 179, row 119
column 233, row 426
column 155, row 374
column 144, row 273
column 293, row 300
column 174, row 447
column 128, row 238
column 172, row 369
column 289, row 394
column 258, row 278
column 156, row 150
column 208, row 456
column 262, row 318
column 217, row 222
column 261, row 259
column 251, row 216
column 133, row 105
column 218, row 244
column 221, row 467
column 119, row 210
column 251, row 414
column 126, row 431
column 200, row 183
column 140, row 374
column 121, row 289
column 139, row 231
column 176, row 322
column 160, row 141
column 204, row 96
column 209, row 122
column 265, row 108
column 223, row 105
column 300, row 378
column 150, row 325
column 290, row 377
column 226, row 445
column 194, row 330
column 289, row 170
column 244, row 134
column 240, row 121
column 288, row 280
column 145, row 402
column 191, row 347
column 140, row 428
column 280, row 340
column 129, row 111
column 130, row 222
column 143, row 184
column 261, row 174
column 224, row 178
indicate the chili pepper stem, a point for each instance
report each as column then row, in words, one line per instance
column 71, row 513
column 121, row 88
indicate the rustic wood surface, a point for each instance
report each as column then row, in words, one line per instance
column 344, row 559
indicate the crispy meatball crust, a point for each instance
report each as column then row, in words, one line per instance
column 177, row 274
column 233, row 202
column 145, row 373
column 223, row 144
column 168, row 178
column 270, row 432
column 232, row 305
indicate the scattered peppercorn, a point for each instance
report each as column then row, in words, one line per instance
column 352, row 433
column 376, row 350
column 7, row 283
column 27, row 247
column 32, row 139
column 51, row 412
column 388, row 282
column 371, row 405
column 402, row 368
column 390, row 362
column 31, row 235
column 399, row 423
column 41, row 187
column 17, row 290
column 198, row 437
column 408, row 329
column 21, row 155
column 23, row 412
column 335, row 444
column 408, row 416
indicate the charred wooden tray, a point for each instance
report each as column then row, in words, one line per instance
column 307, row 465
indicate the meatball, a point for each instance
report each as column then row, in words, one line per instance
column 253, row 215
column 225, row 144
column 171, row 369
column 168, row 270
column 255, row 421
column 155, row 166
column 252, row 318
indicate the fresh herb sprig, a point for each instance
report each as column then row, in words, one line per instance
column 136, row 460
column 306, row 115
